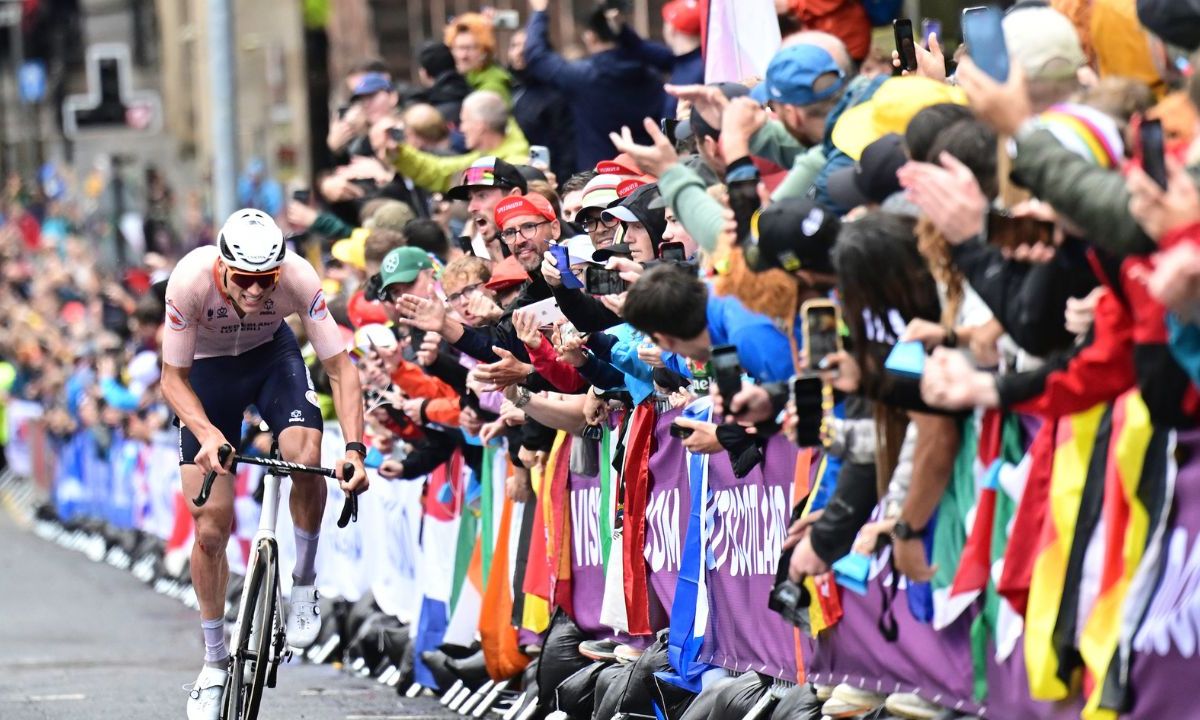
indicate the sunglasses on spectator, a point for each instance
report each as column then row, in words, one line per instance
column 527, row 230
column 592, row 222
column 245, row 280
column 464, row 293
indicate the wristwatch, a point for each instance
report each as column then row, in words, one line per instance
column 523, row 396
column 903, row 531
column 357, row 447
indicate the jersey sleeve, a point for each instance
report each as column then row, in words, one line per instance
column 304, row 286
column 179, row 339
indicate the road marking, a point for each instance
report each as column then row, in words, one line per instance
column 56, row 698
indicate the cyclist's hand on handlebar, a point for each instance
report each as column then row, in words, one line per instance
column 359, row 482
column 208, row 458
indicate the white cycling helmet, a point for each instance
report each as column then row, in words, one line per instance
column 251, row 241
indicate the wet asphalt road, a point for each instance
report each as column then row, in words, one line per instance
column 85, row 641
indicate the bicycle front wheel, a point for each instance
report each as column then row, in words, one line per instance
column 264, row 616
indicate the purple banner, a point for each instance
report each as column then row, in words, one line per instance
column 587, row 565
column 666, row 510
column 935, row 665
column 749, row 522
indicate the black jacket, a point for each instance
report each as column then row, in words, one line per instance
column 545, row 118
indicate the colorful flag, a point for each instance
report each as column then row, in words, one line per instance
column 740, row 38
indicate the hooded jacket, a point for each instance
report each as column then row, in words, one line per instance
column 446, row 94
column 606, row 91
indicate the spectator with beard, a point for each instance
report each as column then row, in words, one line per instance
column 484, row 184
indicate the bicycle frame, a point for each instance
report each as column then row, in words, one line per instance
column 270, row 610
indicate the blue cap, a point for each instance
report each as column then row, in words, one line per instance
column 372, row 83
column 791, row 75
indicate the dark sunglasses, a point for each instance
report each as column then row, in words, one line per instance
column 248, row 280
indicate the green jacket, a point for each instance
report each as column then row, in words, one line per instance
column 702, row 216
column 773, row 142
column 1095, row 199
column 492, row 77
column 438, row 173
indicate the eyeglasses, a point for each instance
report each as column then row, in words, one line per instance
column 527, row 230
column 592, row 222
column 464, row 293
column 246, row 280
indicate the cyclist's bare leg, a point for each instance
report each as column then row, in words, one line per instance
column 303, row 445
column 214, row 521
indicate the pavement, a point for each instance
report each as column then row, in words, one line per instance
column 85, row 641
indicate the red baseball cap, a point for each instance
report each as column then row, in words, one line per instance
column 683, row 15
column 522, row 205
column 626, row 187
column 622, row 165
column 507, row 273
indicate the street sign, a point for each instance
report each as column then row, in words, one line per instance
column 31, row 80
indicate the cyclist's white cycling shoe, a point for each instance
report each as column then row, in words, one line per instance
column 204, row 696
column 304, row 617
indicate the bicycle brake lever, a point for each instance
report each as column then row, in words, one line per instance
column 206, row 487
column 350, row 507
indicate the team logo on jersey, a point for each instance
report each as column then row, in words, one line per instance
column 222, row 312
column 297, row 416
column 269, row 305
column 311, row 396
column 317, row 309
column 175, row 319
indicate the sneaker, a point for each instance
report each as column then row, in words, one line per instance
column 911, row 707
column 598, row 649
column 627, row 654
column 304, row 617
column 204, row 695
column 848, row 701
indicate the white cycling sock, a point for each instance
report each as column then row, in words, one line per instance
column 214, row 641
column 305, row 572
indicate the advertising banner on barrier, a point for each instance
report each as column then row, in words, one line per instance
column 587, row 565
column 750, row 519
column 666, row 511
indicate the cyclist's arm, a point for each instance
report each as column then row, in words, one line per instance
column 178, row 393
column 347, row 395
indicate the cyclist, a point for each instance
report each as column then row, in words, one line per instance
column 226, row 347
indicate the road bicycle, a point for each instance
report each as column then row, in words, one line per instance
column 260, row 641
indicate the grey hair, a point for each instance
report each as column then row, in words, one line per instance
column 489, row 107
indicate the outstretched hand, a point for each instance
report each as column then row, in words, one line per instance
column 421, row 313
column 654, row 159
column 948, row 194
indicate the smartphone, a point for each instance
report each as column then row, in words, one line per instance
column 563, row 262
column 546, row 311
column 506, row 20
column 1006, row 231
column 302, row 196
column 669, row 127
column 396, row 134
column 806, row 397
column 601, row 281
column 678, row 431
column 367, row 184
column 984, row 36
column 744, row 201
column 539, row 156
column 727, row 370
column 1153, row 159
column 821, row 322
column 905, row 45
column 672, row 252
